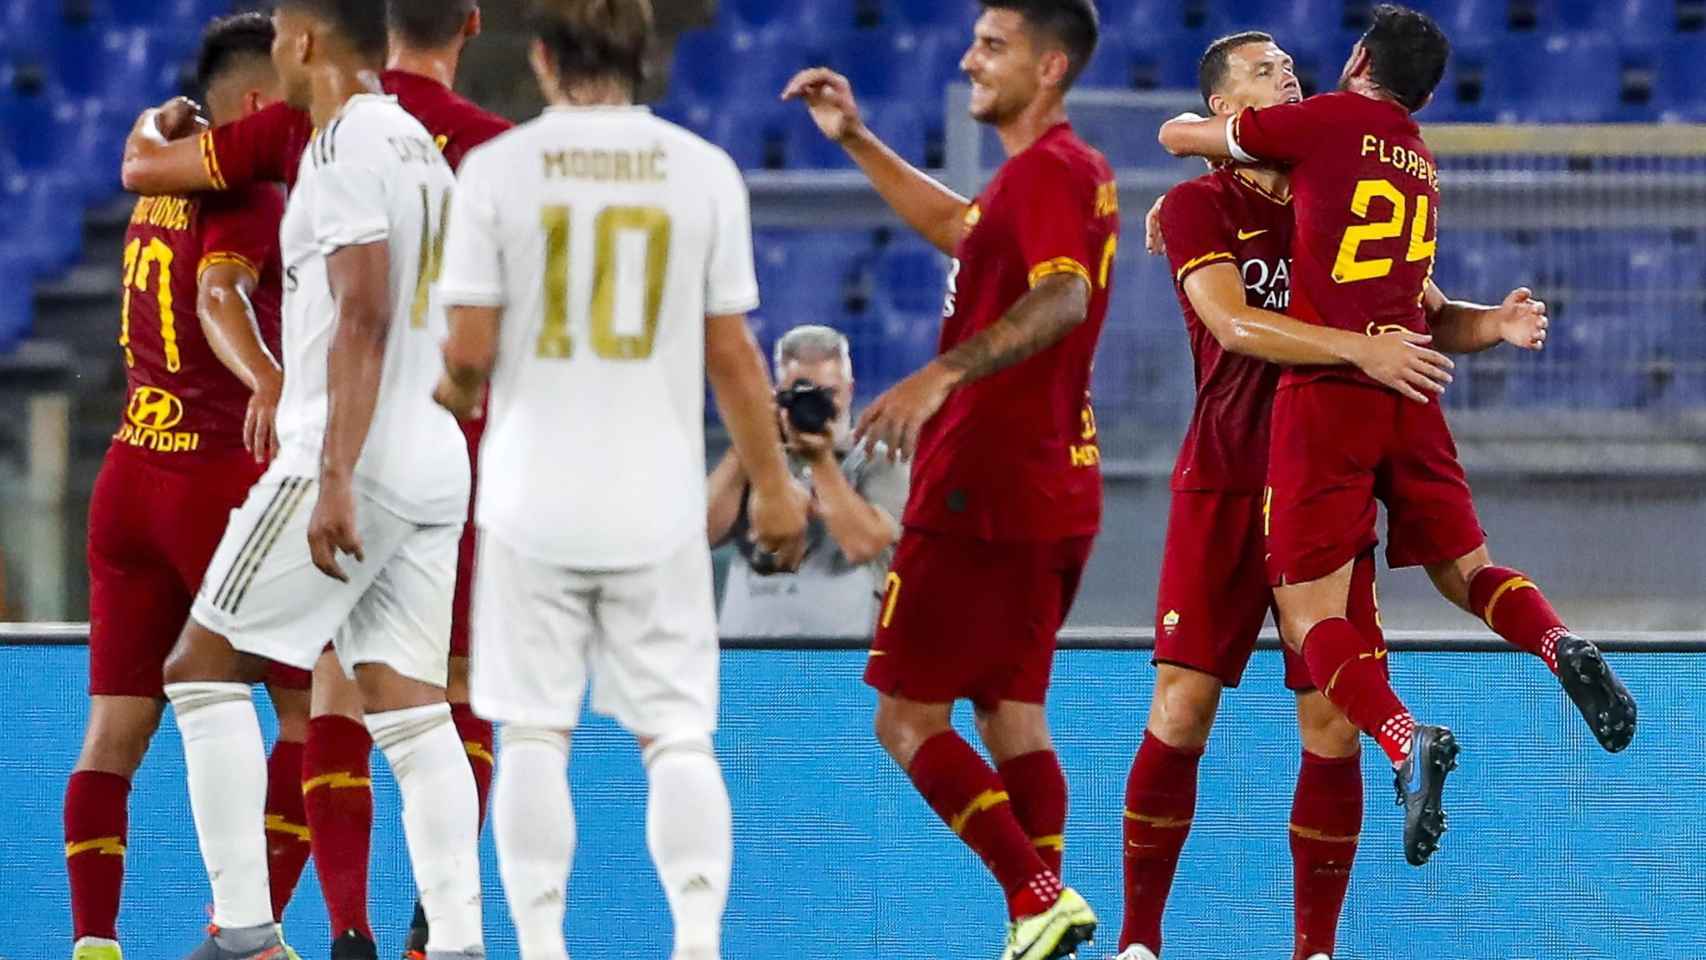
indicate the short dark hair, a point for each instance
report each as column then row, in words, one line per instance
column 589, row 39
column 1074, row 24
column 229, row 41
column 428, row 23
column 361, row 23
column 1216, row 63
column 1407, row 52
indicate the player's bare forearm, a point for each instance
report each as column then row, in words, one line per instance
column 358, row 277
column 926, row 204
column 1049, row 312
column 470, row 354
column 228, row 322
column 723, row 489
column 1216, row 292
column 745, row 400
column 154, row 165
column 1188, row 135
column 861, row 529
column 1463, row 327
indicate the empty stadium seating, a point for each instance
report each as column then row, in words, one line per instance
column 74, row 72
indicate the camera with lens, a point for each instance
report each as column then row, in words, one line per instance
column 810, row 408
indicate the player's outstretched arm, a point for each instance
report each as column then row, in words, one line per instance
column 927, row 205
column 227, row 318
column 723, row 490
column 470, row 355
column 777, row 508
column 1401, row 361
column 1189, row 135
column 1463, row 327
column 160, row 156
column 358, row 276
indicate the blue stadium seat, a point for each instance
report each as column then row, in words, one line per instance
column 1113, row 66
column 1572, row 78
column 904, row 64
column 911, row 276
column 1470, row 18
column 46, row 213
column 41, row 123
column 1680, row 89
column 15, row 303
column 735, row 66
column 954, row 15
column 125, row 66
column 906, row 127
column 809, row 276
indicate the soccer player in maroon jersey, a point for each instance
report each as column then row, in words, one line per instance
column 1366, row 207
column 199, row 331
column 1006, row 490
column 1228, row 236
column 426, row 44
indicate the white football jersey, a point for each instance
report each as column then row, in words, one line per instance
column 373, row 175
column 606, row 235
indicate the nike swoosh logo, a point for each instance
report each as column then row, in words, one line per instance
column 1250, row 234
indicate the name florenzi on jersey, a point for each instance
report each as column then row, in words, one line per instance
column 167, row 213
column 1406, row 160
column 607, row 166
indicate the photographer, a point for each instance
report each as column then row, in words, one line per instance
column 856, row 501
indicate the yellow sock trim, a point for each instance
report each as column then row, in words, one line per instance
column 1514, row 583
column 982, row 802
column 277, row 824
column 1053, row 841
column 1163, row 823
column 112, row 846
column 336, row 781
column 1309, row 833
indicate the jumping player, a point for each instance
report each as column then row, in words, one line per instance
column 427, row 38
column 1006, row 483
column 599, row 259
column 347, row 535
column 1366, row 210
column 199, row 330
column 1228, row 236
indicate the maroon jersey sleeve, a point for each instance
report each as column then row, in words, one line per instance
column 1287, row 132
column 241, row 227
column 1056, row 224
column 1195, row 230
column 263, row 147
column 472, row 128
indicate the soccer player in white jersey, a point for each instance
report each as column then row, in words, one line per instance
column 352, row 532
column 598, row 265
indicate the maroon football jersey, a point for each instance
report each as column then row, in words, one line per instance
column 1013, row 457
column 1366, row 200
column 267, row 145
column 1226, row 218
column 180, row 399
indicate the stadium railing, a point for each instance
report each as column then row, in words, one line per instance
column 1556, row 849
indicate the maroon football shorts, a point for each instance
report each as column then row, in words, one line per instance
column 154, row 521
column 1337, row 447
column 973, row 619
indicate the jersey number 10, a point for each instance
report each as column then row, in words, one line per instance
column 554, row 340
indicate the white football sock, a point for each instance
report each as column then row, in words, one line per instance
column 689, row 830
column 441, row 817
column 226, row 762
column 533, row 822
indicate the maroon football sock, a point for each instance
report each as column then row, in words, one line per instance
column 1037, row 789
column 1515, row 608
column 973, row 801
column 1160, row 801
column 1351, row 672
column 96, row 825
column 337, row 793
column 1326, row 819
column 287, row 824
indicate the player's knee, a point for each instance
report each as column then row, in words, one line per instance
column 900, row 730
column 1183, row 710
column 1013, row 730
column 1325, row 731
column 117, row 745
column 515, row 737
column 456, row 683
column 686, row 744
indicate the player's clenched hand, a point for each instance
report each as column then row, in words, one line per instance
column 331, row 528
column 899, row 415
column 829, row 97
column 177, row 118
column 1152, row 240
column 462, row 402
column 778, row 526
column 260, row 429
column 1522, row 320
column 1402, row 361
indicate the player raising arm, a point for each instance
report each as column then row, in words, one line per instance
column 198, row 421
column 373, row 562
column 1006, row 484
column 600, row 263
column 1366, row 210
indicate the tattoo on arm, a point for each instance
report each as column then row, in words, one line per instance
column 1038, row 321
